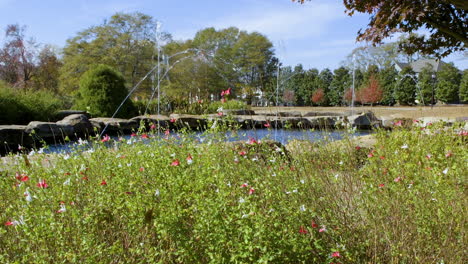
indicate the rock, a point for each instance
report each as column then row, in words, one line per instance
column 114, row 125
column 365, row 120
column 194, row 122
column 389, row 122
column 59, row 115
column 163, row 120
column 49, row 131
column 309, row 114
column 80, row 123
column 319, row 122
column 12, row 136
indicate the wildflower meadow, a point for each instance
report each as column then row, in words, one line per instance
column 180, row 200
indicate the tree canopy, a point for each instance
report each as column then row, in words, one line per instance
column 446, row 21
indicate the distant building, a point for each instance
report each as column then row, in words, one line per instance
column 418, row 65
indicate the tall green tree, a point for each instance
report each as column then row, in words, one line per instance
column 323, row 82
column 427, row 85
column 464, row 87
column 47, row 72
column 126, row 42
column 448, row 82
column 405, row 90
column 388, row 83
column 340, row 83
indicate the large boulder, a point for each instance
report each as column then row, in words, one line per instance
column 114, row 125
column 49, row 131
column 12, row 136
column 148, row 120
column 59, row 115
column 80, row 123
column 319, row 122
column 365, row 120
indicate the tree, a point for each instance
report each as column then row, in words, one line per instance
column 426, row 83
column 341, row 81
column 448, row 82
column 125, row 42
column 323, row 82
column 464, row 87
column 47, row 71
column 102, row 90
column 387, row 78
column 289, row 97
column 405, row 90
column 318, row 97
column 445, row 20
column 17, row 57
column 371, row 93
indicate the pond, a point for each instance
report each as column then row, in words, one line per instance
column 280, row 135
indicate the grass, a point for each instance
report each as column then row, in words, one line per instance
column 179, row 201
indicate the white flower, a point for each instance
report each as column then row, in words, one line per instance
column 445, row 171
column 229, row 184
column 245, row 215
column 91, row 150
column 62, row 209
column 67, row 182
column 241, row 200
column 189, row 161
column 274, row 174
column 32, row 153
column 156, row 193
column 28, row 196
column 139, row 152
column 254, row 159
column 82, row 142
column 294, row 191
column 302, row 181
column 341, row 163
column 66, row 156
column 336, row 176
column 220, row 109
column 129, row 164
column 302, row 208
column 405, row 146
column 172, row 155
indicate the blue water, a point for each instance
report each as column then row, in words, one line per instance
column 281, row 135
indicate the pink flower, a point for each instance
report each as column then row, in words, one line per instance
column 142, row 169
column 144, row 136
column 223, row 100
column 463, row 133
column 9, row 223
column 133, row 134
column 175, row 163
column 200, row 101
column 381, row 185
column 167, row 132
column 336, row 254
column 42, row 184
column 370, row 155
column 252, row 141
column 173, row 120
column 244, row 185
column 251, row 191
column 105, row 138
column 302, row 230
column 103, row 183
column 220, row 113
column 222, row 93
column 323, row 229
column 357, row 147
column 398, row 123
column 397, row 179
column 227, row 92
column 153, row 126
column 242, row 153
column 267, row 125
column 449, row 154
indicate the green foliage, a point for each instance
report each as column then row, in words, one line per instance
column 448, row 82
column 340, row 83
column 102, row 90
column 179, row 201
column 427, row 85
column 405, row 90
column 464, row 87
column 387, row 80
column 22, row 106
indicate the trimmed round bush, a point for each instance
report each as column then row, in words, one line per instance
column 102, row 90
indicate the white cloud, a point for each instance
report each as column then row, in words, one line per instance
column 277, row 22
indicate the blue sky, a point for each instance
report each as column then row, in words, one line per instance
column 318, row 34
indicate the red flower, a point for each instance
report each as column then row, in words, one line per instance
column 173, row 120
column 153, row 126
column 227, row 92
column 103, row 182
column 84, row 178
column 144, row 136
column 252, row 141
column 398, row 123
column 302, row 230
column 382, row 157
column 142, row 169
column 381, row 185
column 267, row 125
column 314, row 225
column 175, row 163
column 24, row 178
column 251, row 191
column 357, row 147
column 42, row 184
column 105, row 138
column 9, row 223
column 244, row 185
column 336, row 254
column 133, row 134
column 242, row 153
